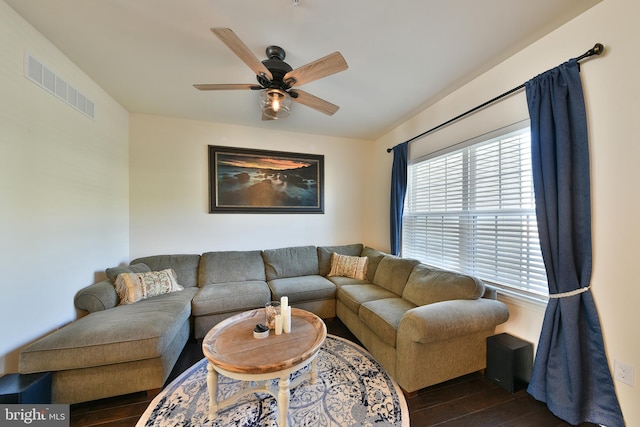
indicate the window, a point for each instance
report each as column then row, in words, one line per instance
column 473, row 210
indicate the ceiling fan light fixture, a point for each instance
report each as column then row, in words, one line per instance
column 275, row 103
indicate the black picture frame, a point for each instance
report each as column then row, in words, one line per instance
column 244, row 180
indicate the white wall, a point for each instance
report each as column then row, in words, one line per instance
column 63, row 191
column 612, row 95
column 170, row 200
column 65, row 181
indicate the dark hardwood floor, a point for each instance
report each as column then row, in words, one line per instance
column 471, row 400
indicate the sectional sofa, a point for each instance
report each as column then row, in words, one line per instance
column 422, row 324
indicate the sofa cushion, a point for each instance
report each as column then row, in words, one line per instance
column 185, row 266
column 138, row 267
column 383, row 316
column 122, row 334
column 342, row 281
column 232, row 266
column 427, row 285
column 354, row 295
column 349, row 266
column 99, row 296
column 133, row 287
column 392, row 273
column 302, row 288
column 375, row 256
column 229, row 297
column 290, row 262
column 325, row 253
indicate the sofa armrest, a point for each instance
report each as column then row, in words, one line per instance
column 97, row 297
column 449, row 319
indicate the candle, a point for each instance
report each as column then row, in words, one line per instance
column 278, row 324
column 284, row 302
column 286, row 324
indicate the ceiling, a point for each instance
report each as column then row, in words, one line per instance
column 403, row 55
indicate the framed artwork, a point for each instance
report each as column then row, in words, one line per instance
column 260, row 181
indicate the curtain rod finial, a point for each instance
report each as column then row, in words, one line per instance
column 598, row 49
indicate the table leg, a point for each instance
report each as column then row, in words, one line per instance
column 283, row 400
column 212, row 385
column 314, row 370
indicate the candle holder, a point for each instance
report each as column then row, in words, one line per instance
column 271, row 309
column 260, row 331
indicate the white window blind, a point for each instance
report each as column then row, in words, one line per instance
column 473, row 210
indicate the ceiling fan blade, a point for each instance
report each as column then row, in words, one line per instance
column 241, row 86
column 323, row 67
column 314, row 102
column 233, row 42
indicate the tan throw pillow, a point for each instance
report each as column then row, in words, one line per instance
column 133, row 287
column 354, row 267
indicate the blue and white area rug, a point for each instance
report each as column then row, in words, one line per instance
column 352, row 390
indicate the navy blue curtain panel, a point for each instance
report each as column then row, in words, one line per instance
column 398, row 193
column 571, row 373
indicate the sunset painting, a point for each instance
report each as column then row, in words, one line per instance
column 265, row 181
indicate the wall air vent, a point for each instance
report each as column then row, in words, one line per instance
column 38, row 73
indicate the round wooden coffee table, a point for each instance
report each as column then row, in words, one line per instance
column 232, row 351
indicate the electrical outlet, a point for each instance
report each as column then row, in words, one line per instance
column 623, row 372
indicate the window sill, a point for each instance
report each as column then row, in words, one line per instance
column 538, row 302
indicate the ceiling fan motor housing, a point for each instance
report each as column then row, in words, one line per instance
column 278, row 69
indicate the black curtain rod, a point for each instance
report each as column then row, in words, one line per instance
column 597, row 49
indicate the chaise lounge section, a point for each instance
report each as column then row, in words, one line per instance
column 422, row 324
column 116, row 349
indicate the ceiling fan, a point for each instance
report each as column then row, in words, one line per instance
column 278, row 81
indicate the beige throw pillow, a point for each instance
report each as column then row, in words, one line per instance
column 349, row 266
column 133, row 287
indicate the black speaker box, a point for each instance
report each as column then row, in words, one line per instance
column 509, row 361
column 29, row 388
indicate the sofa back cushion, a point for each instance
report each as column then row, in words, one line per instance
column 134, row 267
column 427, row 285
column 232, row 266
column 325, row 252
column 290, row 262
column 375, row 256
column 185, row 266
column 392, row 273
